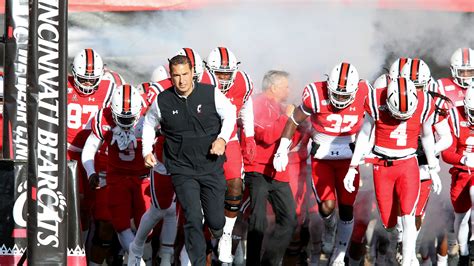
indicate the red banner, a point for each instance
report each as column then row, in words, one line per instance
column 145, row 5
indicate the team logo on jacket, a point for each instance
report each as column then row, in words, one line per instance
column 199, row 108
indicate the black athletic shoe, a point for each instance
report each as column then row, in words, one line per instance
column 463, row 260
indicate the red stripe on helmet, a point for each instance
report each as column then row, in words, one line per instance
column 401, row 63
column 190, row 54
column 127, row 99
column 343, row 76
column 117, row 79
column 465, row 56
column 224, row 57
column 89, row 61
column 415, row 67
column 403, row 95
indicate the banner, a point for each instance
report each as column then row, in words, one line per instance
column 76, row 254
column 46, row 97
column 15, row 141
column 13, row 198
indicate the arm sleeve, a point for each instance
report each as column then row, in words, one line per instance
column 444, row 136
column 151, row 122
column 227, row 112
column 363, row 142
column 428, row 143
column 246, row 114
column 88, row 153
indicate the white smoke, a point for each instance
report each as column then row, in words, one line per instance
column 305, row 39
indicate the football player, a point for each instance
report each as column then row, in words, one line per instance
column 462, row 71
column 460, row 155
column 237, row 87
column 87, row 93
column 418, row 71
column 398, row 114
column 120, row 127
column 163, row 205
column 336, row 109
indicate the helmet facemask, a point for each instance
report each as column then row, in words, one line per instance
column 224, row 84
column 340, row 98
column 125, row 120
column 87, row 85
column 463, row 76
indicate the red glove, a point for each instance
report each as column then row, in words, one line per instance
column 249, row 149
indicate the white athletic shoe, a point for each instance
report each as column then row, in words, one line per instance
column 337, row 258
column 134, row 255
column 225, row 248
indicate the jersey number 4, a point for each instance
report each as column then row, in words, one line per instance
column 400, row 134
column 341, row 123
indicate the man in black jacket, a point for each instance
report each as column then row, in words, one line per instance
column 197, row 121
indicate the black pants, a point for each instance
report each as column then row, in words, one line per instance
column 196, row 192
column 263, row 188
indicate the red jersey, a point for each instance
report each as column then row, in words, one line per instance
column 240, row 90
column 81, row 109
column 442, row 106
column 329, row 120
column 463, row 138
column 128, row 161
column 238, row 94
column 453, row 91
column 208, row 78
column 394, row 137
column 333, row 129
column 152, row 89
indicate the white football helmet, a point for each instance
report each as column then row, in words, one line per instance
column 126, row 106
column 113, row 76
column 222, row 60
column 462, row 67
column 382, row 81
column 397, row 66
column 196, row 61
column 160, row 73
column 87, row 69
column 469, row 105
column 402, row 98
column 343, row 83
column 417, row 71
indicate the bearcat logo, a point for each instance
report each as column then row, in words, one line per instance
column 51, row 210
